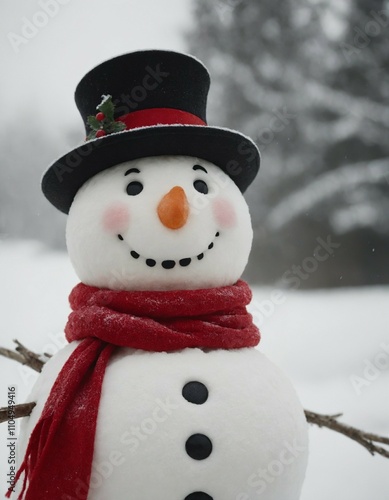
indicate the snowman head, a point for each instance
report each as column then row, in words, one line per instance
column 159, row 223
column 154, row 195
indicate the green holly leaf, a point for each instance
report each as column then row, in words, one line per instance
column 93, row 122
column 107, row 107
column 119, row 126
column 91, row 135
column 108, row 124
column 113, row 127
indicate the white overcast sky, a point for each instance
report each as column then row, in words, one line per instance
column 45, row 71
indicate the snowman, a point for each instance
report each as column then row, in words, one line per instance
column 160, row 393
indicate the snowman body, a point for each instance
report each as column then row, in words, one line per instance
column 153, row 404
column 194, row 424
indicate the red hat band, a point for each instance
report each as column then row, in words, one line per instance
column 159, row 116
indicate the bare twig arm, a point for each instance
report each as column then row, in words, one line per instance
column 366, row 439
column 18, row 411
column 7, row 353
column 24, row 356
column 28, row 358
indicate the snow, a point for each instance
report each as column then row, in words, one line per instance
column 104, row 100
column 323, row 339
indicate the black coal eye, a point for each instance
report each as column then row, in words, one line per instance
column 134, row 188
column 201, row 186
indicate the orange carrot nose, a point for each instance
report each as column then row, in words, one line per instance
column 173, row 209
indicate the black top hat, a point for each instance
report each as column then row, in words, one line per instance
column 159, row 100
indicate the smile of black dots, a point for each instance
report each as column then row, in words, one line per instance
column 169, row 264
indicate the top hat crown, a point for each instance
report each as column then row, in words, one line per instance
column 159, row 100
column 146, row 80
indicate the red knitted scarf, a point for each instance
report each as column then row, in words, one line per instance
column 58, row 460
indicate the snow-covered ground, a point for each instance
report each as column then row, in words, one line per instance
column 334, row 345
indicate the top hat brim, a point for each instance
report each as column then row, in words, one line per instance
column 234, row 153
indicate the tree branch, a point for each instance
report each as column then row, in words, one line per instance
column 23, row 356
column 366, row 439
column 16, row 411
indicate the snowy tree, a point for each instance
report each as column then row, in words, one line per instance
column 308, row 81
column 26, row 153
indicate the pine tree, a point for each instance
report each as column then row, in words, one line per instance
column 280, row 75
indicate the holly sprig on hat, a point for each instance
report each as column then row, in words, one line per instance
column 103, row 123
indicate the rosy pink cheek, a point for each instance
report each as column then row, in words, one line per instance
column 116, row 218
column 224, row 213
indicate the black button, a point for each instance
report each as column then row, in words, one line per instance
column 198, row 446
column 168, row 264
column 195, row 392
column 198, row 495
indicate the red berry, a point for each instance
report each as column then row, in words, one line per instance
column 100, row 116
column 101, row 133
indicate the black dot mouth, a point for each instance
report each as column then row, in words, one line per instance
column 170, row 263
